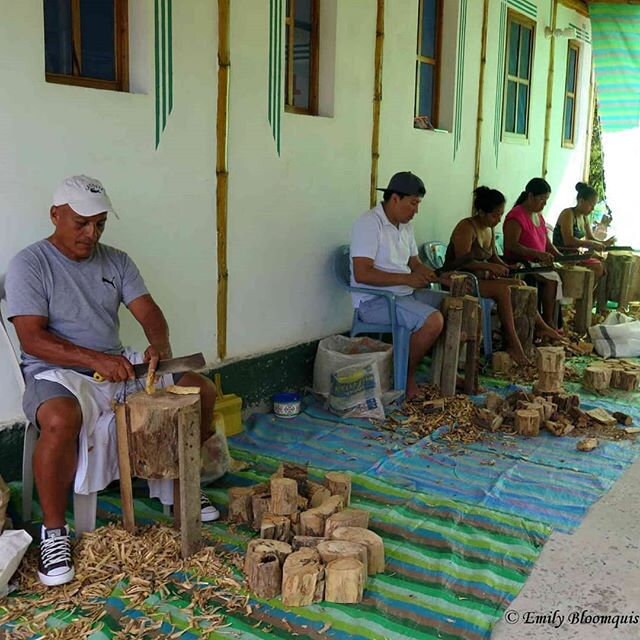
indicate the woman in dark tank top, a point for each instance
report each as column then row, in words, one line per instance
column 472, row 248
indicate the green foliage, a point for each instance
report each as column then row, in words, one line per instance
column 596, row 160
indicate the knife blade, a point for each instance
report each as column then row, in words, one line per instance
column 170, row 365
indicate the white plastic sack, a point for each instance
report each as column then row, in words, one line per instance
column 215, row 457
column 617, row 337
column 356, row 392
column 5, row 494
column 336, row 352
column 13, row 545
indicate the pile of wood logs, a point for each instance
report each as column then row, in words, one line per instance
column 312, row 545
column 616, row 374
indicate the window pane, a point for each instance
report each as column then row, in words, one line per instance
column 510, row 108
column 571, row 70
column 429, row 28
column 57, row 36
column 568, row 120
column 523, row 103
column 425, row 90
column 514, row 38
column 525, row 52
column 97, row 28
column 302, row 54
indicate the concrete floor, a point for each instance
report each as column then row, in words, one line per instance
column 596, row 571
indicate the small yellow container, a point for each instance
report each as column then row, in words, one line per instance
column 230, row 406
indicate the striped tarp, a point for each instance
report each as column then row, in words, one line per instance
column 616, row 49
column 451, row 570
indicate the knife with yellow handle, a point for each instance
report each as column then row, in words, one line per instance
column 170, row 365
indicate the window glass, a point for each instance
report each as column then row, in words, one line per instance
column 97, row 25
column 58, row 52
column 525, row 52
column 429, row 28
column 510, row 124
column 523, row 102
column 425, row 105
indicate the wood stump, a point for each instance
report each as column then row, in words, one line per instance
column 524, row 301
column 302, row 572
column 344, row 582
column 264, row 576
column 621, row 267
column 597, row 378
column 284, row 496
column 159, row 438
column 260, row 504
column 306, row 541
column 258, row 548
column 317, row 494
column 373, row 542
column 528, row 422
column 312, row 521
column 240, row 510
column 573, row 281
column 339, row 484
column 346, row 518
column 331, row 550
column 275, row 527
column 550, row 363
column 501, row 362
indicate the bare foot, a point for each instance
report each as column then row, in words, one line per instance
column 551, row 334
column 412, row 390
column 519, row 356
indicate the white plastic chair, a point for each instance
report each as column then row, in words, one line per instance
column 84, row 506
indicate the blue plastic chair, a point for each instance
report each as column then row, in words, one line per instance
column 433, row 254
column 400, row 335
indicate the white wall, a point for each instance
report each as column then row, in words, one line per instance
column 286, row 212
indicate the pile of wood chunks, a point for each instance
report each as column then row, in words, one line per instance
column 614, row 374
column 312, row 545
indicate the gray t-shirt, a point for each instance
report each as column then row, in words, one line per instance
column 79, row 298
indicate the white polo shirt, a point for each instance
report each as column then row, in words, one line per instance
column 390, row 247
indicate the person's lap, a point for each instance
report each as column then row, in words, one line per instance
column 411, row 311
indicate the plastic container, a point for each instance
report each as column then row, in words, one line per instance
column 230, row 406
column 287, row 404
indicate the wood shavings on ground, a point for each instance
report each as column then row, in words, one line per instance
column 143, row 564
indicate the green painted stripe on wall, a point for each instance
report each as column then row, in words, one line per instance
column 462, row 30
column 163, row 57
column 502, row 44
column 275, row 69
column 526, row 7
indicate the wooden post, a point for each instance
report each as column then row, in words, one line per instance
column 451, row 345
column 222, row 170
column 126, row 489
column 471, row 337
column 620, row 268
column 377, row 102
column 549, row 98
column 584, row 305
column 480, row 116
column 524, row 301
column 189, row 459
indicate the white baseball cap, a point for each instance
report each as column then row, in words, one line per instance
column 85, row 195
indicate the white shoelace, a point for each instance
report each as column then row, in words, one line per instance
column 55, row 551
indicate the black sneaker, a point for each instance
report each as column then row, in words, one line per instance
column 55, row 566
column 208, row 512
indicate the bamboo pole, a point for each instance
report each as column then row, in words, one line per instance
column 222, row 172
column 377, row 100
column 592, row 108
column 480, row 119
column 547, row 118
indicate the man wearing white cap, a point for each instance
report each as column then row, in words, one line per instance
column 63, row 295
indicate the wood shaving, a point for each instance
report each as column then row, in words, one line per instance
column 145, row 564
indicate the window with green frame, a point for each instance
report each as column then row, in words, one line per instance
column 515, row 117
column 570, row 95
column 428, row 63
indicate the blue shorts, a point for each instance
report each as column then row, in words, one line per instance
column 411, row 311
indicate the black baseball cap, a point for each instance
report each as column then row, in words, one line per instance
column 405, row 183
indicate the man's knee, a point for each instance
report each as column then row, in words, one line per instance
column 208, row 391
column 434, row 324
column 60, row 418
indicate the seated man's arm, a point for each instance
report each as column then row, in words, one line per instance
column 36, row 340
column 364, row 272
column 145, row 310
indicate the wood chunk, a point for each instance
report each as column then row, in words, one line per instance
column 558, row 428
column 501, row 362
column 373, row 542
column 317, row 494
column 331, row 550
column 301, row 573
column 346, row 518
column 284, row 496
column 550, row 365
column 259, row 547
column 260, row 505
column 623, row 418
column 493, row 402
column 312, row 521
column 306, row 541
column 528, row 422
column 487, row 419
column 616, row 377
column 339, row 484
column 343, row 581
column 275, row 527
column 532, row 406
column 299, row 473
column 602, row 416
column 264, row 575
column 597, row 378
column 524, row 302
column 566, row 400
column 585, row 348
column 587, row 444
column 629, row 380
column 432, row 406
column 240, row 510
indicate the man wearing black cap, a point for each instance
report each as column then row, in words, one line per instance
column 384, row 255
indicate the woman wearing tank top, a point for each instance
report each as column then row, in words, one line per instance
column 472, row 248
